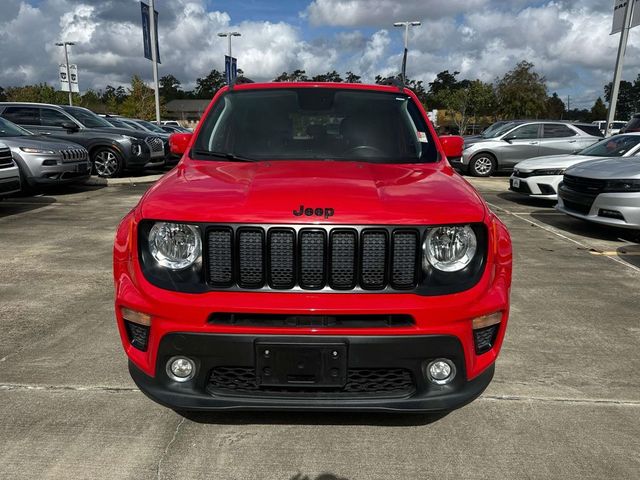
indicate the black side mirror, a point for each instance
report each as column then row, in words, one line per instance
column 508, row 139
column 70, row 126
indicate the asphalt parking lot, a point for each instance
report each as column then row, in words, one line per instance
column 565, row 401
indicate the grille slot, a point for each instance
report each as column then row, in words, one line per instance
column 251, row 258
column 220, row 257
column 286, row 258
column 73, row 155
column 312, row 255
column 281, row 258
column 405, row 257
column 360, row 382
column 373, row 259
column 343, row 259
column 6, row 160
column 584, row 185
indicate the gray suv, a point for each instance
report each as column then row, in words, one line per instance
column 521, row 140
column 111, row 150
column 42, row 160
column 9, row 175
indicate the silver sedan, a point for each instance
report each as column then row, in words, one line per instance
column 605, row 191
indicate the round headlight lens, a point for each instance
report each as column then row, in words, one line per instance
column 175, row 245
column 449, row 248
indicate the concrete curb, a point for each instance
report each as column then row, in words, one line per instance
column 111, row 182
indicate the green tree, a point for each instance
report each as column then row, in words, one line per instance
column 628, row 98
column 206, row 87
column 328, row 77
column 170, row 88
column 3, row 97
column 93, row 101
column 555, row 107
column 522, row 92
column 352, row 78
column 415, row 85
column 41, row 92
column 599, row 110
column 141, row 101
column 296, row 76
column 465, row 101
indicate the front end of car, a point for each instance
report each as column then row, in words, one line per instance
column 9, row 173
column 47, row 163
column 312, row 316
column 539, row 183
column 614, row 201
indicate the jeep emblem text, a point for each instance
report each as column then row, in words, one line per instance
column 318, row 212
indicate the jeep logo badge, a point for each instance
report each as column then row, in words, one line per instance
column 310, row 212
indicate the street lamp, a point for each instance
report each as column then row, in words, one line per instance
column 66, row 59
column 406, row 26
column 229, row 35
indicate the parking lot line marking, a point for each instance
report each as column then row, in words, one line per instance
column 522, row 398
column 614, row 253
column 555, row 232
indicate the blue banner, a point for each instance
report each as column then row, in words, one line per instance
column 146, row 32
column 230, row 69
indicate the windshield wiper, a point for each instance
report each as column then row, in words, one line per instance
column 225, row 155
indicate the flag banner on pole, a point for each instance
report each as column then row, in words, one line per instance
column 618, row 15
column 234, row 68
column 230, row 69
column 146, row 32
column 73, row 73
column 64, row 81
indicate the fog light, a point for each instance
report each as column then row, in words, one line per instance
column 181, row 369
column 440, row 371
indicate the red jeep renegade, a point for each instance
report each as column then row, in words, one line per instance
column 313, row 249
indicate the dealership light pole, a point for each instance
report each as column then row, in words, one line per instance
column 154, row 57
column 622, row 47
column 406, row 26
column 66, row 60
column 229, row 35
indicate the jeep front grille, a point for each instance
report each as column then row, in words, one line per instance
column 73, row 155
column 6, row 160
column 312, row 258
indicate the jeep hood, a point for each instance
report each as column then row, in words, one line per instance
column 269, row 192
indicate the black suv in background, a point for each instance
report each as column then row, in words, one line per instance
column 111, row 150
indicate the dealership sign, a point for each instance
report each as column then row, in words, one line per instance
column 618, row 15
column 67, row 77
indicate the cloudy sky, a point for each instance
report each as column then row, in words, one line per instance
column 567, row 40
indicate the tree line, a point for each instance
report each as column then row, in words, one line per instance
column 519, row 93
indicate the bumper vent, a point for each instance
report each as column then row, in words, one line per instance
column 283, row 258
column 138, row 335
column 6, row 160
column 484, row 338
column 360, row 382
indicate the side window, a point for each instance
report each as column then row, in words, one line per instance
column 555, row 130
column 524, row 132
column 22, row 115
column 53, row 118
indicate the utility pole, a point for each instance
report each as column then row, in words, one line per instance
column 66, row 60
column 154, row 57
column 622, row 47
column 406, row 26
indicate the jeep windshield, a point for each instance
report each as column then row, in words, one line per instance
column 315, row 124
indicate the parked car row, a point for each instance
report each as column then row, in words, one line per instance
column 51, row 144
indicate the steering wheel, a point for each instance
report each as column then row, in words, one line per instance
column 364, row 151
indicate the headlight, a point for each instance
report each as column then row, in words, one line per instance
column 623, row 186
column 557, row 171
column 130, row 138
column 175, row 245
column 37, row 150
column 449, row 248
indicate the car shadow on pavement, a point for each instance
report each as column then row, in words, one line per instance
column 313, row 418
column 322, row 476
column 584, row 228
column 630, row 253
column 527, row 201
column 16, row 205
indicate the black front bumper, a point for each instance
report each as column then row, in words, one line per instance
column 212, row 352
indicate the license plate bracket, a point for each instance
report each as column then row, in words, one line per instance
column 515, row 182
column 308, row 365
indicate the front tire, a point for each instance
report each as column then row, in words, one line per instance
column 482, row 165
column 107, row 162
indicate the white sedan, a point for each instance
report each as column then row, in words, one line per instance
column 539, row 177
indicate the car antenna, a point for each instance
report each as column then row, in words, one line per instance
column 240, row 81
